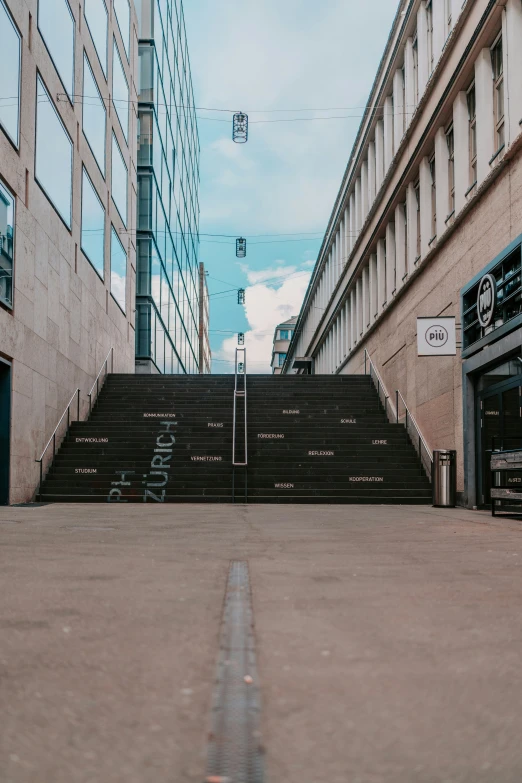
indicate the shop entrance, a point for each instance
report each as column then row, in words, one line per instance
column 499, row 418
column 5, row 419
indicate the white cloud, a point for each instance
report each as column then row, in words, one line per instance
column 265, row 307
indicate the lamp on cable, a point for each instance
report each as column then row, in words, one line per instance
column 240, row 127
column 241, row 338
column 241, row 296
column 240, row 247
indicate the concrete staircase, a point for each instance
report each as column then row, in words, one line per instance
column 311, row 439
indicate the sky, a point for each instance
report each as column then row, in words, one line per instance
column 275, row 60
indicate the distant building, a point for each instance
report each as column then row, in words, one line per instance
column 282, row 337
column 205, row 355
column 167, row 312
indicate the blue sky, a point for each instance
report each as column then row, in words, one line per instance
column 271, row 58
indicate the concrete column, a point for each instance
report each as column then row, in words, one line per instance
column 422, row 46
column 388, row 133
column 390, row 262
column 461, row 144
column 353, row 230
column 353, row 337
column 400, row 245
column 398, row 108
column 346, row 235
column 340, row 235
column 512, row 40
column 365, row 299
column 358, row 294
column 442, row 180
column 371, row 174
column 409, row 79
column 425, row 205
column 456, row 8
column 373, row 287
column 381, row 275
column 379, row 154
column 364, row 191
column 358, row 212
column 411, row 212
column 439, row 28
column 485, row 118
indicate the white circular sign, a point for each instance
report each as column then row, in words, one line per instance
column 486, row 300
column 436, row 336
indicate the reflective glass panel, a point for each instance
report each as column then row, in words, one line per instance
column 121, row 7
column 56, row 24
column 97, row 20
column 118, row 269
column 94, row 115
column 119, row 181
column 6, row 245
column 93, row 225
column 120, row 90
column 9, row 75
column 54, row 154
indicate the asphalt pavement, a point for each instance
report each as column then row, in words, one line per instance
column 388, row 641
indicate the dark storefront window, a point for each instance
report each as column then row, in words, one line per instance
column 507, row 274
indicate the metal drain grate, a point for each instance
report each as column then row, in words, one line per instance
column 235, row 754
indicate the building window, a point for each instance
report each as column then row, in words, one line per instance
column 429, row 25
column 54, row 155
column 118, row 269
column 120, row 90
column 450, row 139
column 416, row 189
column 447, row 16
column 416, row 69
column 122, row 10
column 281, row 359
column 7, row 209
column 433, row 199
column 94, row 115
column 56, row 25
column 285, row 334
column 97, row 20
column 93, row 226
column 472, row 132
column 498, row 97
column 119, row 181
column 10, row 75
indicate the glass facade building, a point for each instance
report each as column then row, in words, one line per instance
column 167, row 306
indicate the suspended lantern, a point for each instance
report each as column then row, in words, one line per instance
column 240, row 128
column 240, row 247
column 241, row 338
column 240, row 368
column 241, row 296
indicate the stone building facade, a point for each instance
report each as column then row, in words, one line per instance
column 68, row 138
column 430, row 203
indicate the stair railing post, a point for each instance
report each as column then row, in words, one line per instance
column 40, row 484
column 54, row 445
column 365, row 370
column 112, row 359
column 78, row 405
column 397, row 404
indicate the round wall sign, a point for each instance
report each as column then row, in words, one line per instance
column 486, row 300
column 437, row 336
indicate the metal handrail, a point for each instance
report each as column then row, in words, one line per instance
column 411, row 417
column 96, row 382
column 239, row 393
column 67, row 411
column 379, row 385
column 53, row 436
column 419, row 443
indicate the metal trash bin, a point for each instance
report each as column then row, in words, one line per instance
column 444, row 478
